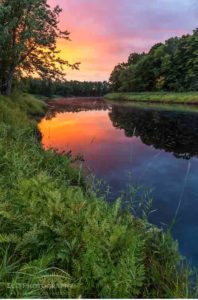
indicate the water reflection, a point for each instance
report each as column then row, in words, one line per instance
column 175, row 132
column 118, row 140
column 76, row 105
column 172, row 131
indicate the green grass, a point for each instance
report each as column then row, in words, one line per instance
column 59, row 239
column 45, row 98
column 156, row 97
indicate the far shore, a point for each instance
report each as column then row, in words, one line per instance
column 189, row 98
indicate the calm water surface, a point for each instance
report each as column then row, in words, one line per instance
column 157, row 147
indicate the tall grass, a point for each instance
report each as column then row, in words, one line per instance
column 58, row 239
column 156, row 97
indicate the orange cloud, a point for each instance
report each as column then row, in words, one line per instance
column 104, row 34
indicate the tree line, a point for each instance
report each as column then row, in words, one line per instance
column 169, row 66
column 66, row 88
column 29, row 30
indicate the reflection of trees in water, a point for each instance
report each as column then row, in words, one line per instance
column 76, row 105
column 172, row 131
column 175, row 132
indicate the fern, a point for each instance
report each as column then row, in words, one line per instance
column 9, row 238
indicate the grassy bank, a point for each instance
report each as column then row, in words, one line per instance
column 58, row 239
column 156, row 106
column 156, row 97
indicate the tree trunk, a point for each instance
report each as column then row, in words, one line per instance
column 6, row 86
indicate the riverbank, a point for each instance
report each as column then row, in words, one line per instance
column 190, row 98
column 59, row 239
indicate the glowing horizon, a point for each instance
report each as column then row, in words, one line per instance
column 105, row 34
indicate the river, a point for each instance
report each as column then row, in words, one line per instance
column 153, row 148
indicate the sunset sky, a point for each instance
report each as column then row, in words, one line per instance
column 104, row 33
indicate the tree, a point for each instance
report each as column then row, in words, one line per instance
column 134, row 58
column 65, row 88
column 172, row 66
column 114, row 79
column 29, row 30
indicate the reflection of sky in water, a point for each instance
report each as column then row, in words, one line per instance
column 112, row 156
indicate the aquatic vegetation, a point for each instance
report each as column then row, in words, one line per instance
column 59, row 239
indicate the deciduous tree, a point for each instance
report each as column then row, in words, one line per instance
column 29, row 30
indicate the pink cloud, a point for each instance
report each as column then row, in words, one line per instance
column 104, row 33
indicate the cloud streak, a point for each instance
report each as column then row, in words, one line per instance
column 104, row 33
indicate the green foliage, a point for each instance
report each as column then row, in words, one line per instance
column 29, row 30
column 66, row 88
column 29, row 104
column 171, row 66
column 58, row 239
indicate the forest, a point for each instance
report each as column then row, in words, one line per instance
column 171, row 66
column 72, row 88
